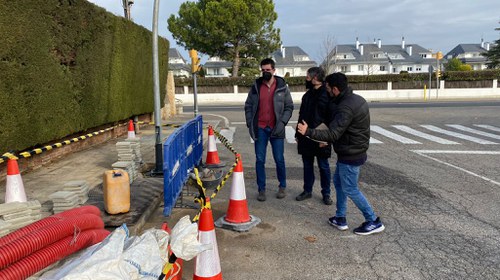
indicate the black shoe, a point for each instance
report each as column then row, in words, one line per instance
column 327, row 200
column 261, row 196
column 304, row 195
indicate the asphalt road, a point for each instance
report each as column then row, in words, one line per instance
column 438, row 197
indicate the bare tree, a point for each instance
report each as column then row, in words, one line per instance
column 328, row 54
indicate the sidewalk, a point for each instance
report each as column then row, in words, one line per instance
column 89, row 165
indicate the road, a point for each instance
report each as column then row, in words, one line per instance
column 432, row 176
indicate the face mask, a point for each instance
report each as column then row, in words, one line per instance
column 267, row 76
column 309, row 84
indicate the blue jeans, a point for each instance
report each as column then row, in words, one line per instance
column 278, row 148
column 324, row 174
column 345, row 180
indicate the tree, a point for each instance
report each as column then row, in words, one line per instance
column 493, row 54
column 229, row 29
column 456, row 64
column 328, row 54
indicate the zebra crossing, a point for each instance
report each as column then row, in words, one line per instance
column 415, row 134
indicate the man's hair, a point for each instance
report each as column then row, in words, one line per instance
column 338, row 80
column 267, row 61
column 317, row 72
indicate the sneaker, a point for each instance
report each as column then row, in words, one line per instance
column 303, row 195
column 339, row 222
column 281, row 193
column 261, row 196
column 327, row 200
column 368, row 228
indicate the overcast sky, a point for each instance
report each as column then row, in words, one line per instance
column 437, row 25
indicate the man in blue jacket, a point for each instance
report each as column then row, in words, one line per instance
column 349, row 131
column 268, row 108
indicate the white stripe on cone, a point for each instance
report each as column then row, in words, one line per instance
column 238, row 187
column 211, row 144
column 207, row 262
column 15, row 189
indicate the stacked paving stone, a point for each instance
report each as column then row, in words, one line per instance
column 15, row 215
column 80, row 188
column 135, row 145
column 64, row 200
column 129, row 157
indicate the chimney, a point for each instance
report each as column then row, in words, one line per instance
column 487, row 46
column 403, row 43
column 482, row 43
column 379, row 43
column 374, row 42
column 357, row 43
column 409, row 50
column 361, row 49
column 282, row 51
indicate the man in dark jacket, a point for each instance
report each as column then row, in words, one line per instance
column 314, row 111
column 268, row 108
column 349, row 131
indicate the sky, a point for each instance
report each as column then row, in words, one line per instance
column 435, row 25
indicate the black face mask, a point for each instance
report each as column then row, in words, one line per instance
column 309, row 84
column 267, row 76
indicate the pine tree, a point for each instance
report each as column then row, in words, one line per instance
column 229, row 29
column 493, row 54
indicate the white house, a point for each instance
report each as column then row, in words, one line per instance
column 216, row 67
column 376, row 58
column 292, row 61
column 177, row 64
column 471, row 54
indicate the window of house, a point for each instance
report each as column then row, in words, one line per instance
column 361, row 67
column 418, row 68
column 375, row 55
column 382, row 67
column 345, row 56
column 423, row 55
column 343, row 69
column 409, row 68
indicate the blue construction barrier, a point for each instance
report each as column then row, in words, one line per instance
column 182, row 151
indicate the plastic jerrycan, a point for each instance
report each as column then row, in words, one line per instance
column 116, row 191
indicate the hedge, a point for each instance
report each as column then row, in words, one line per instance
column 67, row 66
column 353, row 79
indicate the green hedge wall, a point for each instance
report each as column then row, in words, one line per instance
column 67, row 66
column 353, row 79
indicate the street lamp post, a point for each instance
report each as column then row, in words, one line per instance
column 156, row 88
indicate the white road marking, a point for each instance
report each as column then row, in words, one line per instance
column 490, row 127
column 456, row 152
column 228, row 134
column 392, row 135
column 290, row 134
column 458, row 135
column 424, row 135
column 375, row 141
column 424, row 152
column 474, row 131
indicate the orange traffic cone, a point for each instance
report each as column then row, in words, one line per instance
column 176, row 272
column 14, row 187
column 237, row 217
column 207, row 264
column 212, row 154
column 131, row 131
